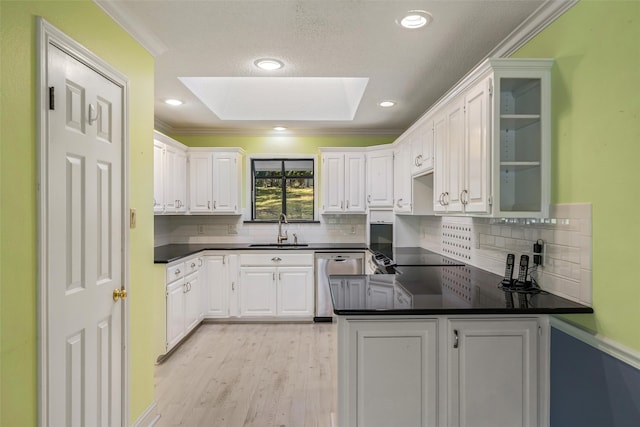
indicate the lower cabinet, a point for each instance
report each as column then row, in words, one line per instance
column 221, row 285
column 184, row 310
column 276, row 285
column 443, row 371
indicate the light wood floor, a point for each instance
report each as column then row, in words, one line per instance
column 253, row 375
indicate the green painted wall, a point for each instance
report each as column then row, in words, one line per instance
column 282, row 144
column 87, row 24
column 596, row 147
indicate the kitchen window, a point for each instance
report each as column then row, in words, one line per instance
column 283, row 185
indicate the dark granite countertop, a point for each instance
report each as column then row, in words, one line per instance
column 440, row 290
column 168, row 253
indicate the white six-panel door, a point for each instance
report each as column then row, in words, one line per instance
column 84, row 245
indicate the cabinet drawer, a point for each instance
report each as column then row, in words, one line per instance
column 276, row 259
column 175, row 271
column 193, row 264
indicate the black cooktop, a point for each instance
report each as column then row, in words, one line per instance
column 439, row 290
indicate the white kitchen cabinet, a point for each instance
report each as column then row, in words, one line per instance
column 257, row 295
column 343, row 182
column 421, row 158
column 380, row 179
column 295, row 291
column 402, row 178
column 493, row 373
column 184, row 309
column 169, row 175
column 175, row 180
column 276, row 285
column 158, row 177
column 387, row 373
column 380, row 293
column 214, row 181
column 492, row 150
column 221, row 285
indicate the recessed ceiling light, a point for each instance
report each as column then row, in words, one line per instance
column 174, row 102
column 415, row 19
column 387, row 104
column 268, row 64
column 279, row 128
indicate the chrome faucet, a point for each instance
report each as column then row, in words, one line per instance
column 282, row 237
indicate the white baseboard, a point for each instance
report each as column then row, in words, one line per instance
column 604, row 344
column 149, row 417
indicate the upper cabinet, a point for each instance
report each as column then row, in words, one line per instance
column 169, row 175
column 380, row 179
column 422, row 149
column 214, row 181
column 492, row 142
column 402, row 178
column 343, row 182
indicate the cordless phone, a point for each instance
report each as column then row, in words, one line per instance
column 508, row 272
column 522, row 273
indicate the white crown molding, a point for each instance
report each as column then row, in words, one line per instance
column 142, row 35
column 604, row 344
column 540, row 19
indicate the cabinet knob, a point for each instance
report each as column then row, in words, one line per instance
column 177, row 271
column 193, row 265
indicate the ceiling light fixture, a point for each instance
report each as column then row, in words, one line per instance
column 268, row 64
column 415, row 19
column 279, row 128
column 174, row 102
column 387, row 104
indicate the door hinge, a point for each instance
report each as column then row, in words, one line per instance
column 52, row 98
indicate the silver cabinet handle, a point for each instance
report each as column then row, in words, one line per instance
column 214, row 205
column 185, row 289
column 464, row 197
column 233, row 286
column 369, row 198
column 199, row 262
column 399, row 203
column 224, row 259
column 420, row 160
column 342, row 204
column 347, row 204
column 274, row 276
column 455, row 338
column 446, row 198
column 279, row 276
column 276, row 259
column 208, row 204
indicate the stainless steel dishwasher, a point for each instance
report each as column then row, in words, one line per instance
column 328, row 263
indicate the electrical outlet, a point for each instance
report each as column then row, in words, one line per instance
column 232, row 229
column 200, row 229
column 538, row 252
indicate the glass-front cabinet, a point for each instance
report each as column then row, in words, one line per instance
column 522, row 137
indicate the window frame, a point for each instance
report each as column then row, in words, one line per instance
column 282, row 157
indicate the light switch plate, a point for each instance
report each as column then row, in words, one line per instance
column 132, row 218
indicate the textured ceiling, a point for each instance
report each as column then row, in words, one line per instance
column 316, row 38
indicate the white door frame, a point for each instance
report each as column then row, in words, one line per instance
column 48, row 34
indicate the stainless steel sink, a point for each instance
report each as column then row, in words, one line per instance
column 278, row 245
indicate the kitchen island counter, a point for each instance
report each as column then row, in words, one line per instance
column 441, row 290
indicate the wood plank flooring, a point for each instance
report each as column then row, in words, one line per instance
column 251, row 375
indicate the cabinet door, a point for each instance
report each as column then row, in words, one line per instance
column 424, row 138
column 200, row 181
column 402, row 179
column 441, row 161
column 456, row 159
column 333, row 182
column 192, row 301
column 257, row 291
column 170, row 175
column 476, row 176
column 391, row 371
column 380, row 179
column 158, row 177
column 493, row 372
column 225, row 182
column 217, row 285
column 175, row 312
column 295, row 291
column 180, row 181
column 354, row 182
column 379, row 295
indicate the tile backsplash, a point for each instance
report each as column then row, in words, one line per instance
column 485, row 243
column 232, row 229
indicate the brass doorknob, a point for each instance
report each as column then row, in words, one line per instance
column 119, row 294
